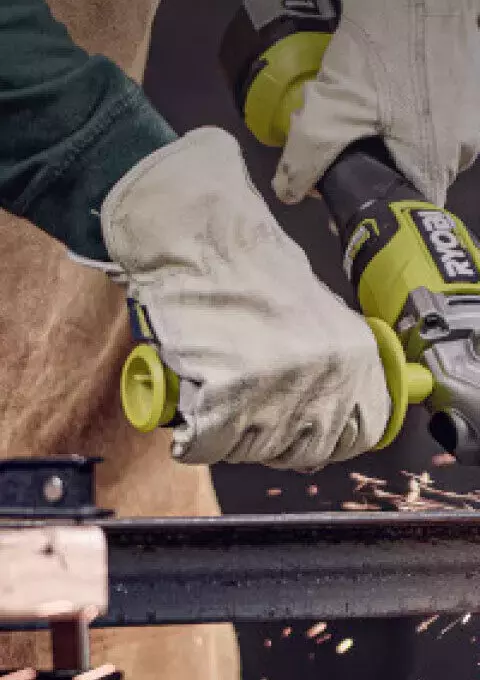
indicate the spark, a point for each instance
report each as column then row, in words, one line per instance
column 312, row 490
column 363, row 481
column 286, row 632
column 414, row 491
column 316, row 629
column 443, row 459
column 387, row 495
column 421, row 495
column 323, row 638
column 272, row 493
column 267, row 643
column 466, row 618
column 344, row 646
column 448, row 628
column 425, row 483
column 363, row 506
column 426, row 623
column 424, row 478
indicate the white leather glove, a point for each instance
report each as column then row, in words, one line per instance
column 408, row 71
column 274, row 368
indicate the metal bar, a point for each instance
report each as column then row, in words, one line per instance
column 292, row 566
column 266, row 567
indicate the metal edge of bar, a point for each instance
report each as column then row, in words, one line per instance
column 453, row 520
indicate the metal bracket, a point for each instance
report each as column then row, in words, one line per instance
column 49, row 488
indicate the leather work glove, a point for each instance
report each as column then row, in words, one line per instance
column 273, row 367
column 407, row 71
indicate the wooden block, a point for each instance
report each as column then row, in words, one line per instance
column 52, row 572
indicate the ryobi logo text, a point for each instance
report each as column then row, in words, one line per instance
column 452, row 259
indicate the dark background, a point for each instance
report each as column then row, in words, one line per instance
column 185, row 82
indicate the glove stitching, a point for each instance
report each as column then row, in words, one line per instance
column 116, row 199
column 429, row 160
column 379, row 72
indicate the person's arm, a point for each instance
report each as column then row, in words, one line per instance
column 71, row 125
column 224, row 290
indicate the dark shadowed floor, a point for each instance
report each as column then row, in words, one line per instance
column 185, row 83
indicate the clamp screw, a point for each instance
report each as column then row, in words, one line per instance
column 53, row 489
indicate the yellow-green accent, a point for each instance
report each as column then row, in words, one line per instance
column 277, row 90
column 405, row 264
column 144, row 327
column 149, row 390
column 407, row 383
column 370, row 222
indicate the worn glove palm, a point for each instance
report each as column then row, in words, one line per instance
column 274, row 368
column 407, row 71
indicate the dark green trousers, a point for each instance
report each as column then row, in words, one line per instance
column 70, row 126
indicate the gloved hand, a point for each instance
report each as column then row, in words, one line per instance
column 274, row 368
column 407, row 71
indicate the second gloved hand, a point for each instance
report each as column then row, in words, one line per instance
column 274, row 368
column 405, row 71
